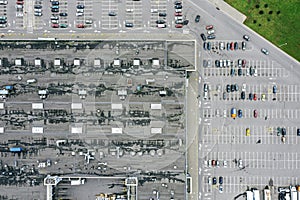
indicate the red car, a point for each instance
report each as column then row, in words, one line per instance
column 243, row 62
column 80, row 25
column 254, row 97
column 54, row 25
column 213, row 163
column 231, row 46
column 255, row 113
column 178, row 14
column 208, row 27
column 178, row 26
column 20, row 2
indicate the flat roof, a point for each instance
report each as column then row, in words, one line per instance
column 37, row 106
column 76, row 106
column 37, row 130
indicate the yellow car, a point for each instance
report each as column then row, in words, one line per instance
column 263, row 97
column 247, row 132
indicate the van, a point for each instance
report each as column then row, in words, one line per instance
column 29, row 81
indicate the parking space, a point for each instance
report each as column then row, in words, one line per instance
column 20, row 20
column 133, row 17
column 84, row 14
column 109, row 16
column 158, row 14
column 3, row 15
column 38, row 8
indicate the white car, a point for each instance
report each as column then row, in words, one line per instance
column 178, row 18
column 3, row 2
column 79, row 14
column 19, row 14
column 54, row 21
column 247, row 71
column 212, row 31
column 240, row 163
column 37, row 10
column 209, row 180
column 38, row 14
column 225, row 163
column 209, row 163
column 80, row 10
column 255, row 72
column 244, row 87
column 225, row 113
column 205, row 163
column 178, row 10
column 220, row 188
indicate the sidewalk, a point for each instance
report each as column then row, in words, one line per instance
column 232, row 12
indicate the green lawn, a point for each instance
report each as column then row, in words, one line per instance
column 276, row 20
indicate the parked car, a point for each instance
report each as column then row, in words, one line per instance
column 221, row 180
column 232, row 88
column 254, row 97
column 217, row 63
column 178, row 26
column 80, row 25
column 236, row 46
column 232, row 72
column 208, row 46
column 178, row 6
column 255, row 113
column 211, row 37
column 129, row 25
column 55, row 3
column 248, row 132
column 63, row 14
column 240, row 113
column 298, row 131
column 211, row 31
column 80, row 6
column 274, row 89
column 240, row 72
column 225, row 163
column 214, row 181
column 178, row 13
column 54, row 25
column 208, row 27
column 162, row 14
column 112, row 13
column 243, row 95
column 250, row 96
column 240, row 163
column 243, row 46
column 220, row 188
column 177, row 2
column 203, row 36
column 228, row 46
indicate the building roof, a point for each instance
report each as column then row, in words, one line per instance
column 76, row 62
column 57, row 62
column 37, row 62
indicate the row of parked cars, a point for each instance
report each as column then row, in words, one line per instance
column 179, row 21
column 214, row 181
column 210, row 33
column 215, row 163
column 222, row 45
column 3, row 19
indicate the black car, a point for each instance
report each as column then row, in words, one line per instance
column 251, row 71
column 177, row 2
column 203, row 36
column 63, row 14
column 204, row 45
column 243, row 95
column 232, row 72
column 160, row 21
column 240, row 72
column 208, row 45
column 37, row 6
column 217, row 63
column 224, row 96
column 55, row 3
column 283, row 131
column 232, row 88
column 220, row 180
column 246, row 37
column 185, row 22
column 80, row 6
column 228, row 88
column 128, row 24
column 228, row 46
column 54, row 10
column 178, row 6
column 197, row 19
column 162, row 14
column 214, row 182
column 210, row 37
column 250, row 96
column 236, row 46
column 298, row 132
column 236, row 87
column 112, row 13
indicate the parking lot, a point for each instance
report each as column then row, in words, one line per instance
column 93, row 16
column 246, row 148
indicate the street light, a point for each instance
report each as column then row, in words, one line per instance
column 283, row 44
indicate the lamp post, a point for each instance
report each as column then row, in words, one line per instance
column 283, row 44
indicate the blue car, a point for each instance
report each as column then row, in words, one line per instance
column 240, row 113
column 274, row 89
column 55, row 7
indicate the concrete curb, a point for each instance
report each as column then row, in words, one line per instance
column 229, row 10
